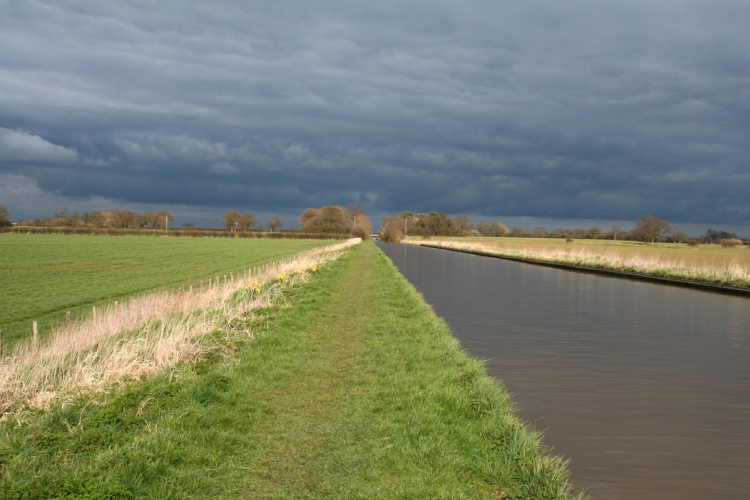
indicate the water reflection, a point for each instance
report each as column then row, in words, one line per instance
column 645, row 387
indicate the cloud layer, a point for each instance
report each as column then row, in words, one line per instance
column 578, row 110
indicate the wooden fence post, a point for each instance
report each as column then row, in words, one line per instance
column 116, row 303
column 68, row 319
column 35, row 335
column 2, row 346
column 93, row 312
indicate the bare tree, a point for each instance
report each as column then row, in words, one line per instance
column 246, row 221
column 615, row 229
column 498, row 229
column 5, row 216
column 273, row 223
column 125, row 218
column 161, row 219
column 679, row 236
column 652, row 228
column 328, row 219
column 464, row 224
column 390, row 229
column 558, row 232
column 142, row 220
column 231, row 219
column 307, row 215
column 361, row 226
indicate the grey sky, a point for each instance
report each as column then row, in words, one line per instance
column 555, row 111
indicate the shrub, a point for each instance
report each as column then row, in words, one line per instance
column 568, row 240
column 729, row 242
column 391, row 231
column 693, row 243
column 359, row 232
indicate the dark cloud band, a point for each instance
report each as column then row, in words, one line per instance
column 579, row 110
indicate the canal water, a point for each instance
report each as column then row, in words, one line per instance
column 644, row 387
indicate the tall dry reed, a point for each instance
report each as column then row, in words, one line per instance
column 144, row 336
column 733, row 273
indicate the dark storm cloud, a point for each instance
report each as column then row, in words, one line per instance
column 579, row 110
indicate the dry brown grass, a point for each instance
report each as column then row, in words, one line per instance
column 143, row 336
column 701, row 254
column 734, row 272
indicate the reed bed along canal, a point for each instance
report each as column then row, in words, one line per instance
column 704, row 264
column 645, row 387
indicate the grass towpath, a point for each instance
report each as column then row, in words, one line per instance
column 357, row 390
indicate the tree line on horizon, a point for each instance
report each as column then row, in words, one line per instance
column 329, row 219
column 647, row 228
column 332, row 219
column 337, row 220
column 116, row 219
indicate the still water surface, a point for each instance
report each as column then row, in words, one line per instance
column 644, row 387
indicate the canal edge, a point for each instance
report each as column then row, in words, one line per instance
column 706, row 287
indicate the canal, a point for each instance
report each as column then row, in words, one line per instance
column 644, row 387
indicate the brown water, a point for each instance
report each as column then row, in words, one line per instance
column 644, row 387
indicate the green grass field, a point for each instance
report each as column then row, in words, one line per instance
column 355, row 390
column 43, row 276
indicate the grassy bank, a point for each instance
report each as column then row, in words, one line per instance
column 43, row 276
column 705, row 264
column 355, row 390
column 701, row 255
column 146, row 335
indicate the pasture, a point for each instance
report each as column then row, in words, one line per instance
column 43, row 276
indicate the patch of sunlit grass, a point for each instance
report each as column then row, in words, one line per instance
column 144, row 336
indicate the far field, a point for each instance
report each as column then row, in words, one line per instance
column 42, row 276
column 699, row 255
